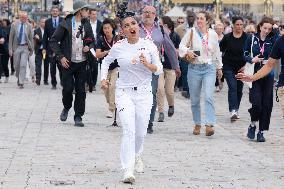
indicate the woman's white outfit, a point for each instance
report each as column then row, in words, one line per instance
column 133, row 94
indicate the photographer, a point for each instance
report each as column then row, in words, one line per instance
column 76, row 39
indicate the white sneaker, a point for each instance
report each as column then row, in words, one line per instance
column 128, row 176
column 6, row 80
column 238, row 116
column 233, row 115
column 109, row 114
column 139, row 166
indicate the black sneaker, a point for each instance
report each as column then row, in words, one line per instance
column 150, row 128
column 171, row 111
column 78, row 122
column 45, row 83
column 161, row 117
column 260, row 137
column 53, row 87
column 251, row 132
column 64, row 115
column 185, row 94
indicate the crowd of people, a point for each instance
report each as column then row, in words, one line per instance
column 143, row 60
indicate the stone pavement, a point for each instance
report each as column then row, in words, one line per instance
column 37, row 151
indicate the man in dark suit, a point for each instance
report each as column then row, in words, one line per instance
column 38, row 38
column 96, row 27
column 50, row 26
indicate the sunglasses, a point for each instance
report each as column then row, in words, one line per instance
column 180, row 22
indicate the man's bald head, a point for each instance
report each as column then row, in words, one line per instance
column 148, row 15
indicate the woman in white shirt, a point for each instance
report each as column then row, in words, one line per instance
column 200, row 44
column 137, row 59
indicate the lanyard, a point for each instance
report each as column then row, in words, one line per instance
column 261, row 48
column 108, row 44
column 73, row 24
column 205, row 41
column 148, row 33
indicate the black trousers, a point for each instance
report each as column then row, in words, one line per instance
column 38, row 64
column 94, row 67
column 4, row 59
column 74, row 77
column 261, row 98
column 53, row 64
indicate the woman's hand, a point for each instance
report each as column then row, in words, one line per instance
column 64, row 62
column 143, row 59
column 241, row 70
column 244, row 77
column 86, row 49
column 256, row 59
column 191, row 56
column 219, row 73
column 105, row 84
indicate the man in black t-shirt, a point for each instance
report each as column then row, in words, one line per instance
column 276, row 54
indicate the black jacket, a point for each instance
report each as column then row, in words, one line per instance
column 48, row 32
column 38, row 42
column 63, row 35
column 3, row 47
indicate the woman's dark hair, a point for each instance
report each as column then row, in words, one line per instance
column 263, row 21
column 111, row 23
column 236, row 18
column 167, row 20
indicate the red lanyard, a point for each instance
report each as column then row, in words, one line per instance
column 148, row 33
column 205, row 42
column 108, row 44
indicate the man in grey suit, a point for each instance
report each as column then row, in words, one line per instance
column 21, row 45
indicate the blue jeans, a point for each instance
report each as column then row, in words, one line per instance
column 235, row 91
column 154, row 84
column 202, row 75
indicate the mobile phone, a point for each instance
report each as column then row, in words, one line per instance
column 260, row 56
column 197, row 53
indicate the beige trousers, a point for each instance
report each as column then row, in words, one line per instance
column 110, row 92
column 166, row 86
column 281, row 98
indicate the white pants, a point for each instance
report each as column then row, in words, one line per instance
column 134, row 108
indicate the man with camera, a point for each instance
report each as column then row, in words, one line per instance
column 76, row 39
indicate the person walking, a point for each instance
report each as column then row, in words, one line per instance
column 76, row 38
column 137, row 58
column 219, row 28
column 21, row 46
column 51, row 25
column 150, row 29
column 4, row 54
column 232, row 46
column 166, row 82
column 256, row 51
column 96, row 28
column 39, row 55
column 200, row 46
column 104, row 43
